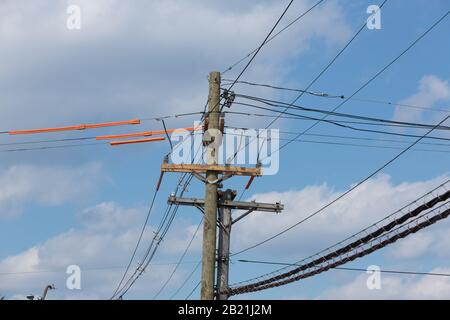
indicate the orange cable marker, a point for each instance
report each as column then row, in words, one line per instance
column 112, row 124
column 144, row 133
column 78, row 127
column 118, row 143
column 126, row 135
column 174, row 130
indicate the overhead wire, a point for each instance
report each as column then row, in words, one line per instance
column 280, row 104
column 376, row 75
column 144, row 226
column 333, row 96
column 164, row 225
column 192, row 291
column 355, row 186
column 372, row 174
column 313, row 93
column 297, row 117
column 179, row 261
column 261, row 45
column 345, row 137
column 149, row 253
column 186, row 280
column 355, row 144
column 274, row 36
column 325, row 69
column 399, row 232
column 367, row 270
column 421, row 204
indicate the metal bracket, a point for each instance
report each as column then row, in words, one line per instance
column 240, row 205
column 199, row 177
column 242, row 216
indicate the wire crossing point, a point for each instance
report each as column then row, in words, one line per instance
column 217, row 205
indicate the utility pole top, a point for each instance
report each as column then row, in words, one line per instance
column 212, row 174
column 209, row 224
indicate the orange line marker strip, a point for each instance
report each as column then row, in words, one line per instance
column 118, row 143
column 144, row 133
column 126, row 135
column 249, row 183
column 78, row 127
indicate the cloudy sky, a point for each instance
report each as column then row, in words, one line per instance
column 85, row 205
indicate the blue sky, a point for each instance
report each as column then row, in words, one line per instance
column 85, row 205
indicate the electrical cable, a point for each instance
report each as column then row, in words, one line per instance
column 272, row 37
column 261, row 45
column 351, row 189
column 356, row 269
column 180, row 260
column 328, row 95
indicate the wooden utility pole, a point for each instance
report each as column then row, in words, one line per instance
column 212, row 174
column 223, row 259
column 209, row 225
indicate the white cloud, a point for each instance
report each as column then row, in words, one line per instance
column 413, row 247
column 431, row 90
column 129, row 55
column 21, row 185
column 101, row 247
column 109, row 232
column 394, row 287
column 432, row 242
column 372, row 201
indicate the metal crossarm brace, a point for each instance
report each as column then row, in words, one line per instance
column 202, row 168
column 240, row 205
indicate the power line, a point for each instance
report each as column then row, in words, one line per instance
column 274, row 36
column 428, row 199
column 363, row 26
column 53, row 147
column 321, row 72
column 313, row 93
column 149, row 254
column 102, row 125
column 356, row 145
column 144, row 226
column 162, row 229
column 356, row 185
column 46, row 141
column 339, row 258
column 335, row 136
column 248, row 64
column 355, row 269
column 138, row 272
column 394, row 223
column 262, row 44
column 180, row 260
column 342, row 124
column 365, row 84
column 73, row 139
column 172, row 116
column 323, row 120
column 328, row 95
column 193, row 290
column 281, row 104
column 88, row 269
column 404, row 105
column 186, row 280
column 298, row 117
